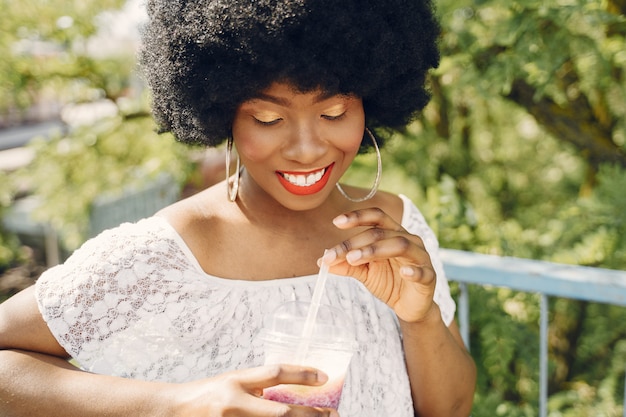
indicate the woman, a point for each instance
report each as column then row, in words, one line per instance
column 163, row 316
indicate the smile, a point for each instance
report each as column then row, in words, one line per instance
column 304, row 183
column 304, row 180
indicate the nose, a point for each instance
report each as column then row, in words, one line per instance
column 304, row 145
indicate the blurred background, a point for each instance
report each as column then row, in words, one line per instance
column 521, row 152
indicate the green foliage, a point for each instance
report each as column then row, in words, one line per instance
column 507, row 368
column 563, row 61
column 593, row 232
column 42, row 49
column 69, row 172
column 586, row 397
column 10, row 252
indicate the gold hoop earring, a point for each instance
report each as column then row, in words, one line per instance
column 231, row 190
column 379, row 169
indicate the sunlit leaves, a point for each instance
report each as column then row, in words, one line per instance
column 69, row 172
column 40, row 44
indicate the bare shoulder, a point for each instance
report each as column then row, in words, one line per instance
column 207, row 213
column 185, row 215
column 23, row 327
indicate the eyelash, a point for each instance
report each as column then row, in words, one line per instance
column 270, row 123
column 331, row 118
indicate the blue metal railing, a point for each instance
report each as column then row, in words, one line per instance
column 545, row 278
column 107, row 210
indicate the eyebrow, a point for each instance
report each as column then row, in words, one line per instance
column 281, row 101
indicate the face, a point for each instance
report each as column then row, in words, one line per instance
column 295, row 146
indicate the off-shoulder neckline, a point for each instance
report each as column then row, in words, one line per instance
column 173, row 233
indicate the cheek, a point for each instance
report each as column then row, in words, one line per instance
column 253, row 145
column 253, row 149
column 353, row 133
column 350, row 142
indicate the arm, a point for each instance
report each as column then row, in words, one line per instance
column 395, row 266
column 441, row 371
column 35, row 384
column 37, row 380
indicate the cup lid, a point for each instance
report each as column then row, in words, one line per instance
column 332, row 325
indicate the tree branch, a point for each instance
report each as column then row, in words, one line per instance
column 575, row 123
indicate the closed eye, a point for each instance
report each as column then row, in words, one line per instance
column 332, row 117
column 267, row 122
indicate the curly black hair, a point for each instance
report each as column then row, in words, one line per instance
column 203, row 58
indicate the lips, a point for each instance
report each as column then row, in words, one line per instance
column 305, row 183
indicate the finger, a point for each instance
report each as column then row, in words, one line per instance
column 374, row 217
column 259, row 407
column 270, row 375
column 377, row 244
column 423, row 274
column 264, row 407
column 406, row 250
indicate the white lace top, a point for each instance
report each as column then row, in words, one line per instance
column 134, row 302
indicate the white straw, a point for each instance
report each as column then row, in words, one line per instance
column 311, row 317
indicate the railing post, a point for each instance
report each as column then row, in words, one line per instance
column 464, row 313
column 547, row 279
column 543, row 356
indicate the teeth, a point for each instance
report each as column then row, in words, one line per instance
column 305, row 180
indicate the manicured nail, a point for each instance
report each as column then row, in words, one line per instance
column 339, row 220
column 321, row 377
column 407, row 271
column 354, row 255
column 329, row 256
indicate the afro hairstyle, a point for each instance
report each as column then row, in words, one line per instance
column 203, row 58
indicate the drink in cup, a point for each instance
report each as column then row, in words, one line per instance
column 327, row 345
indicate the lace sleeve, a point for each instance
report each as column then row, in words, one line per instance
column 414, row 222
column 108, row 283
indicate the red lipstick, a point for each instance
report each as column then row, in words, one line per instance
column 304, row 189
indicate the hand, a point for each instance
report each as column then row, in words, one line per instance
column 238, row 393
column 392, row 263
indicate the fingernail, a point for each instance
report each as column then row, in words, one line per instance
column 329, row 256
column 321, row 376
column 334, row 413
column 339, row 220
column 407, row 271
column 354, row 255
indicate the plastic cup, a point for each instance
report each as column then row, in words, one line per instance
column 329, row 348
